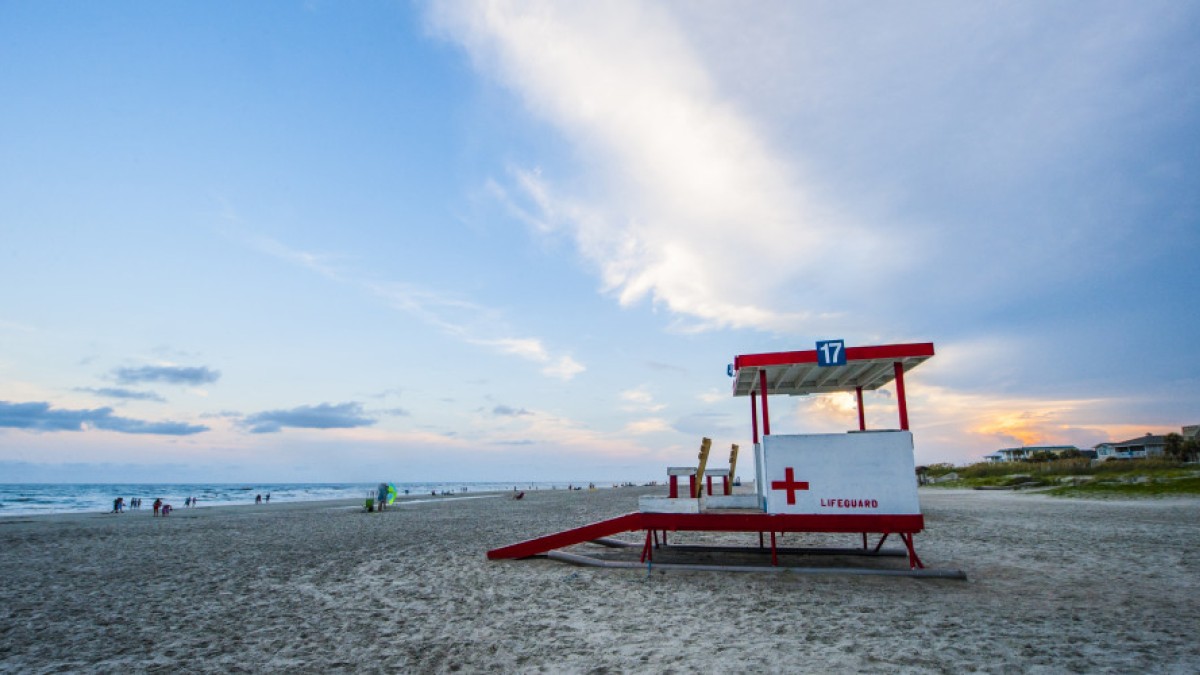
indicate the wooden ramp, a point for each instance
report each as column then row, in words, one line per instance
column 626, row 523
column 903, row 525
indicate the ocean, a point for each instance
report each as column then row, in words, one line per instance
column 17, row 499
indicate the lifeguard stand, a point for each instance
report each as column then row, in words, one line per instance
column 862, row 481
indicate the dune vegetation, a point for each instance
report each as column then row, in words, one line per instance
column 1075, row 477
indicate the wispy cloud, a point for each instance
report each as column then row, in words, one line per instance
column 561, row 366
column 126, row 394
column 194, row 375
column 323, row 264
column 40, row 416
column 322, row 416
column 455, row 316
column 509, row 411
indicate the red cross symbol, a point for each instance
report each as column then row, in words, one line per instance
column 790, row 484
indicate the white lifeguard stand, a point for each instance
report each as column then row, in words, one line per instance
column 862, row 481
column 859, row 472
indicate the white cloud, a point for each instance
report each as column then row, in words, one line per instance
column 650, row 425
column 564, row 368
column 639, row 399
column 693, row 209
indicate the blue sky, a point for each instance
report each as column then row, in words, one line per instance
column 520, row 241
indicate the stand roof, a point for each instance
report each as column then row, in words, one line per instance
column 797, row 373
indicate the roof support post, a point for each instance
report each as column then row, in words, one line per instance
column 862, row 417
column 762, row 378
column 754, row 416
column 903, row 405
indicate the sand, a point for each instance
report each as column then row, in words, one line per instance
column 1054, row 586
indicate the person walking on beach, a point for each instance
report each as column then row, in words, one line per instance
column 381, row 494
column 268, row 499
column 157, row 505
column 258, row 499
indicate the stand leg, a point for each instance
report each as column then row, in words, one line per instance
column 914, row 562
column 881, row 540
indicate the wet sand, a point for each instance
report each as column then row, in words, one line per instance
column 1054, row 586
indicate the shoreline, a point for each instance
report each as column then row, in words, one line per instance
column 23, row 499
column 356, row 503
column 214, row 510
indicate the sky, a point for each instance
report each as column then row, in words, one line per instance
column 509, row 241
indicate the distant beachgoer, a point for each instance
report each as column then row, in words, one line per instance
column 157, row 505
column 258, row 499
column 187, row 502
column 268, row 499
column 116, row 505
column 166, row 510
column 195, row 501
column 381, row 495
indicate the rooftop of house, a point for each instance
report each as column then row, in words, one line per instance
column 1148, row 439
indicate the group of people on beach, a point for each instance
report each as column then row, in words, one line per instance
column 258, row 498
column 160, row 507
column 119, row 504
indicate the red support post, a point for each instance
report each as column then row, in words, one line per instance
column 762, row 378
column 862, row 416
column 691, row 485
column 899, row 368
column 708, row 479
column 727, row 486
column 914, row 561
column 674, row 493
column 754, row 417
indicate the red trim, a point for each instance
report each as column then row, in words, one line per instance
column 900, row 400
column 862, row 415
column 902, row 351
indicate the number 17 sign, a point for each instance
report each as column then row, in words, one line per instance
column 831, row 352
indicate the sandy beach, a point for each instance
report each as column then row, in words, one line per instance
column 1054, row 586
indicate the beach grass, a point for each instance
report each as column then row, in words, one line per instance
column 1158, row 487
column 1078, row 477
